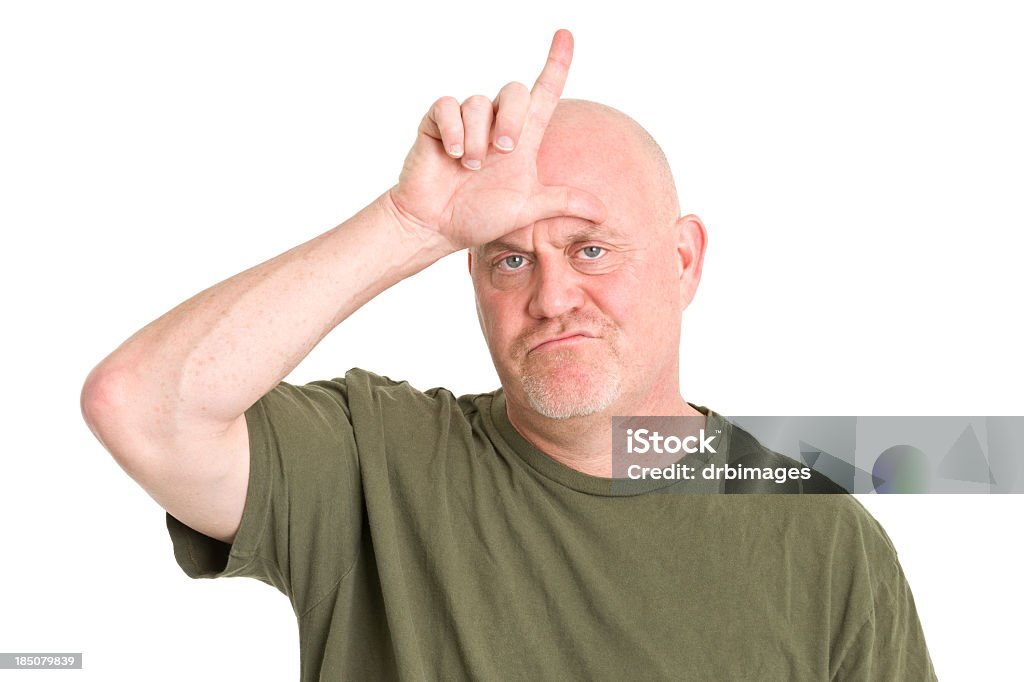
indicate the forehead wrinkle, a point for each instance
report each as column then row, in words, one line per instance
column 588, row 232
column 594, row 232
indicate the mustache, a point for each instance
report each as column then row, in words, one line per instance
column 587, row 324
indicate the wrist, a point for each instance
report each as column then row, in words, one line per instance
column 411, row 230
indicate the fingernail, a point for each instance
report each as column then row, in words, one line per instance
column 472, row 164
column 504, row 143
column 455, row 150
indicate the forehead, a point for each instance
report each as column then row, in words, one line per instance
column 558, row 233
column 604, row 157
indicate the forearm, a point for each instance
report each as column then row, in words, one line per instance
column 201, row 365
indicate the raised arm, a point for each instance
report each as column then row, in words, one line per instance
column 169, row 402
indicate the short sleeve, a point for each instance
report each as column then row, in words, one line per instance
column 303, row 511
column 889, row 644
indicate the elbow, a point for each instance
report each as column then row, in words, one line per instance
column 107, row 406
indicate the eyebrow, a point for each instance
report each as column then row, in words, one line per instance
column 498, row 245
column 581, row 235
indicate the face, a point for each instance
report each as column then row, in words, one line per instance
column 582, row 318
column 558, row 303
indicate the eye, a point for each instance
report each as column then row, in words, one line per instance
column 592, row 252
column 512, row 262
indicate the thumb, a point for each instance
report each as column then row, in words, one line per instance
column 558, row 201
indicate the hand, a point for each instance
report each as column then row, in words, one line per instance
column 471, row 176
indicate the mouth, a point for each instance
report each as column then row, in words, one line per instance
column 562, row 341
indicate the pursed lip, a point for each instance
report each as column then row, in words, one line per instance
column 561, row 337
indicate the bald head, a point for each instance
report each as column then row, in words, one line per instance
column 584, row 134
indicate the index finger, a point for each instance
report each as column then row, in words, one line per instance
column 548, row 89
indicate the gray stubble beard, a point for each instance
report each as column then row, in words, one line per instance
column 562, row 402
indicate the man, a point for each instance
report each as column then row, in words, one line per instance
column 423, row 536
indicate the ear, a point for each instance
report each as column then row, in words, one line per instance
column 691, row 242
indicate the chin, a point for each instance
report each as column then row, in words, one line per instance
column 569, row 392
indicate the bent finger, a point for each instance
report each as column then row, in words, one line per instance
column 444, row 122
column 510, row 109
column 477, row 116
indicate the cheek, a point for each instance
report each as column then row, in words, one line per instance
column 663, row 280
column 641, row 299
column 498, row 316
column 508, row 281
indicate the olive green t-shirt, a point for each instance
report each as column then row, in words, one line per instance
column 420, row 537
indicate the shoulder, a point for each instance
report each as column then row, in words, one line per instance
column 385, row 392
column 840, row 523
column 398, row 406
column 830, row 541
column 365, row 401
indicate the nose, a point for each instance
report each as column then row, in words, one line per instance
column 556, row 290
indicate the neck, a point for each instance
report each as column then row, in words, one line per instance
column 585, row 443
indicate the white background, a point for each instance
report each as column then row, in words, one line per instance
column 858, row 169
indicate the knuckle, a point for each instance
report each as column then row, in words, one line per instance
column 476, row 103
column 515, row 89
column 505, row 120
column 442, row 103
